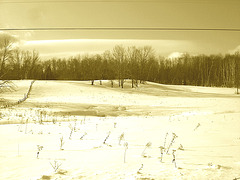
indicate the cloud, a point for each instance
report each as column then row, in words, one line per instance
column 67, row 54
column 237, row 49
column 175, row 55
column 81, row 46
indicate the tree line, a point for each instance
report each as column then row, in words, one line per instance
column 139, row 64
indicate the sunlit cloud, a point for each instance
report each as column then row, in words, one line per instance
column 175, row 55
column 62, row 47
column 67, row 54
column 237, row 49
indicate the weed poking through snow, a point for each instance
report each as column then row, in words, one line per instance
column 172, row 141
column 61, row 143
column 140, row 169
column 81, row 138
column 165, row 141
column 54, row 120
column 181, row 147
column 121, row 137
column 55, row 165
column 40, row 116
column 71, row 127
column 126, row 147
column 39, row 148
column 146, row 146
column 104, row 142
column 161, row 150
column 174, row 158
column 20, row 128
column 198, row 125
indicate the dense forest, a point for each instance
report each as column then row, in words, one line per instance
column 139, row 64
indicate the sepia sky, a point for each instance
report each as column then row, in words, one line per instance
column 125, row 13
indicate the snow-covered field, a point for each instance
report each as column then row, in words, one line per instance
column 205, row 120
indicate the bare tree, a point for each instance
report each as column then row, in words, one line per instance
column 132, row 56
column 108, row 67
column 16, row 61
column 30, row 62
column 6, row 46
column 237, row 69
column 145, row 53
column 119, row 57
